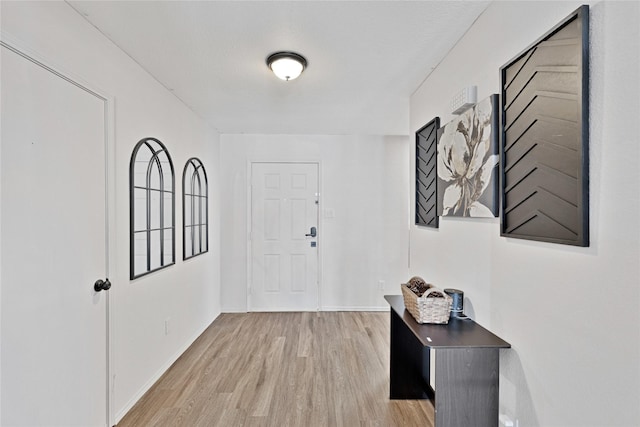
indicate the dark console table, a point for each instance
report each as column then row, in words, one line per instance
column 456, row 365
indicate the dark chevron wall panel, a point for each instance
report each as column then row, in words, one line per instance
column 426, row 151
column 545, row 137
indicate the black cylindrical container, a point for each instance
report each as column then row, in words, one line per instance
column 457, row 305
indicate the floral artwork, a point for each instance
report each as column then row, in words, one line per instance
column 468, row 163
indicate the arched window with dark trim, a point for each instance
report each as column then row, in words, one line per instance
column 152, row 208
column 195, row 209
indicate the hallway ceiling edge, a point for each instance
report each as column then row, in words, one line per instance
column 365, row 58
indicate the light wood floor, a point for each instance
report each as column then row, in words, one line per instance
column 282, row 369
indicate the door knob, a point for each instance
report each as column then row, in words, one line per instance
column 102, row 285
column 312, row 233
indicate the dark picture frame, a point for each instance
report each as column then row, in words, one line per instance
column 426, row 188
column 544, row 148
column 468, row 162
column 152, row 209
column 195, row 209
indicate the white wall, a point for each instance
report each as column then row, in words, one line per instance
column 188, row 292
column 364, row 180
column 571, row 314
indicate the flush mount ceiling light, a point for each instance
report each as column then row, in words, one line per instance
column 286, row 65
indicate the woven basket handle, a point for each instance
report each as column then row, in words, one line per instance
column 435, row 290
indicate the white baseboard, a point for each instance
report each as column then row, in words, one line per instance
column 354, row 308
column 325, row 308
column 234, row 309
column 120, row 414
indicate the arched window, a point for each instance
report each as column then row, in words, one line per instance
column 152, row 208
column 195, row 209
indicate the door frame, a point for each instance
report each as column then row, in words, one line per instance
column 248, row 220
column 110, row 269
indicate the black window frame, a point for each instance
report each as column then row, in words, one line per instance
column 154, row 160
column 198, row 178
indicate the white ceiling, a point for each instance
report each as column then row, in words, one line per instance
column 365, row 58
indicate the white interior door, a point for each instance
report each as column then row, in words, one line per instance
column 53, row 249
column 284, row 208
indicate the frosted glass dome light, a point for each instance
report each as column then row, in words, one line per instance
column 286, row 65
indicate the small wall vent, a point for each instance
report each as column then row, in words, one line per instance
column 464, row 99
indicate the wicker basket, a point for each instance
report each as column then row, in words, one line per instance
column 427, row 308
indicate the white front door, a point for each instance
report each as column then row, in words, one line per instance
column 284, row 264
column 54, row 325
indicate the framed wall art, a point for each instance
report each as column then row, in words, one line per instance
column 152, row 216
column 426, row 148
column 195, row 209
column 545, row 137
column 468, row 162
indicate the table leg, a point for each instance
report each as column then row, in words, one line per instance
column 467, row 387
column 409, row 367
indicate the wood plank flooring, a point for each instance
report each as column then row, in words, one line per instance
column 283, row 369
